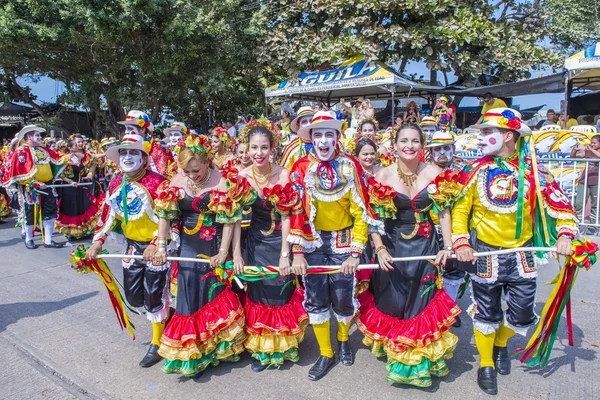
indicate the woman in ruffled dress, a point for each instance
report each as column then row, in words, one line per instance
column 405, row 315
column 78, row 209
column 275, row 317
column 220, row 142
column 208, row 324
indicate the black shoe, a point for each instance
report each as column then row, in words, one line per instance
column 29, row 244
column 346, row 356
column 258, row 367
column 151, row 358
column 54, row 245
column 486, row 379
column 458, row 322
column 502, row 360
column 320, row 368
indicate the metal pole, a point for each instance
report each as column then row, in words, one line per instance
column 566, row 106
column 393, row 104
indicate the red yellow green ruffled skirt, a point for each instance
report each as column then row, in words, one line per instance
column 416, row 348
column 4, row 202
column 82, row 225
column 213, row 334
column 274, row 332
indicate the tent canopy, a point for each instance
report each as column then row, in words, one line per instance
column 584, row 68
column 546, row 84
column 355, row 77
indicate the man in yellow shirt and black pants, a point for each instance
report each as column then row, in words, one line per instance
column 329, row 226
column 490, row 102
column 494, row 212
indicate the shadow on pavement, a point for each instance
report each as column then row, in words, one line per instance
column 13, row 312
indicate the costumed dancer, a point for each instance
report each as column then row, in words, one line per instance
column 220, row 142
column 442, row 154
column 428, row 126
column 4, row 197
column 505, row 203
column 275, row 317
column 406, row 315
column 298, row 147
column 78, row 210
column 128, row 212
column 208, row 324
column 329, row 226
column 30, row 168
column 139, row 123
column 173, row 135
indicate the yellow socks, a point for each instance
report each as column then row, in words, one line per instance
column 157, row 331
column 502, row 335
column 322, row 333
column 343, row 329
column 485, row 347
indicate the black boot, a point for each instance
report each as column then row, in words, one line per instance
column 346, row 356
column 54, row 245
column 320, row 368
column 502, row 360
column 458, row 322
column 151, row 358
column 258, row 367
column 486, row 379
column 29, row 244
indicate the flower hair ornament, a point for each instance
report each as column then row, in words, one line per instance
column 223, row 136
column 142, row 120
column 196, row 144
column 369, row 120
column 508, row 120
column 261, row 123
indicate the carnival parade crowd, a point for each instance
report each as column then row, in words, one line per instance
column 302, row 195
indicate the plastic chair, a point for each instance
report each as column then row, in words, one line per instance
column 583, row 128
column 550, row 128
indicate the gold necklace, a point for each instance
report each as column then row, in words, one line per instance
column 408, row 179
column 265, row 178
column 220, row 159
column 196, row 186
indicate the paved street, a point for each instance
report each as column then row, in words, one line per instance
column 61, row 340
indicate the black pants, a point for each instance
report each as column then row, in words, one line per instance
column 47, row 205
column 323, row 291
column 519, row 291
column 143, row 286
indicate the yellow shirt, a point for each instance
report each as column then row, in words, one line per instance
column 141, row 230
column 572, row 122
column 43, row 173
column 341, row 214
column 498, row 103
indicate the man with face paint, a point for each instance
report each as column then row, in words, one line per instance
column 30, row 168
column 129, row 211
column 173, row 135
column 138, row 123
column 495, row 212
column 329, row 226
column 297, row 147
column 442, row 154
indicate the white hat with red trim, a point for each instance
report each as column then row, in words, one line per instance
column 441, row 138
column 130, row 142
column 322, row 119
column 306, row 111
column 138, row 118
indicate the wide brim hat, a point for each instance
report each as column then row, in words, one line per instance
column 302, row 112
column 130, row 142
column 177, row 126
column 428, row 121
column 441, row 138
column 504, row 118
column 139, row 119
column 322, row 119
column 108, row 141
column 28, row 129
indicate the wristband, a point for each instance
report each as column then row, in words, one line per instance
column 380, row 248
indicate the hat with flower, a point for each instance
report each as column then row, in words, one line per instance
column 441, row 138
column 322, row 119
column 197, row 144
column 504, row 118
column 223, row 136
column 138, row 118
column 260, row 123
column 306, row 111
column 177, row 126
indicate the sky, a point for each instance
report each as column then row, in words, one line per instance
column 46, row 89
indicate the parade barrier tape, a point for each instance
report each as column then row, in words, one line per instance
column 538, row 348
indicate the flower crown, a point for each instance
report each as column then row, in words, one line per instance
column 223, row 136
column 197, row 144
column 261, row 123
column 143, row 121
column 371, row 120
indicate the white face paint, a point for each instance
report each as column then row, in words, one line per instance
column 428, row 131
column 36, row 139
column 443, row 154
column 132, row 130
column 130, row 160
column 491, row 141
column 324, row 140
column 305, row 121
column 174, row 137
